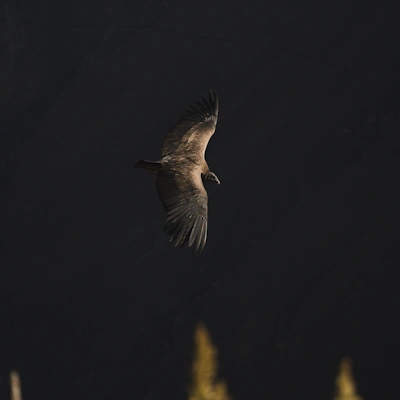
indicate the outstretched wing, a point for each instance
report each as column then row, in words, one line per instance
column 194, row 128
column 185, row 201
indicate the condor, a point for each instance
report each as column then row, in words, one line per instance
column 181, row 172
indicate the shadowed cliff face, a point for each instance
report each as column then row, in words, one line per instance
column 301, row 261
column 39, row 62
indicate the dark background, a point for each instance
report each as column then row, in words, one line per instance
column 301, row 264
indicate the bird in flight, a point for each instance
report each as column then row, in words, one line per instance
column 182, row 171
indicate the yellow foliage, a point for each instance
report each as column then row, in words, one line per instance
column 346, row 387
column 205, row 385
column 204, row 369
column 15, row 386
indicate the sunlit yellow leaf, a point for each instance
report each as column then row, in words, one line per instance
column 346, row 387
column 204, row 369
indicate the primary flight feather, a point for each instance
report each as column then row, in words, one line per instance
column 182, row 170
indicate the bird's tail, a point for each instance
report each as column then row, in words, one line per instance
column 151, row 166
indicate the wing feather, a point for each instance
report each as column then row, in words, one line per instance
column 197, row 123
column 185, row 202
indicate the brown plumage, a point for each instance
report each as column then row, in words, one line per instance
column 181, row 172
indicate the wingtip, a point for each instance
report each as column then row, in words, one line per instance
column 207, row 107
column 200, row 248
column 212, row 95
column 213, row 98
column 197, row 249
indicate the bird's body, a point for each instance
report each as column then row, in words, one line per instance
column 181, row 172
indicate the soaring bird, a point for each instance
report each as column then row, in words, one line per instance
column 181, row 172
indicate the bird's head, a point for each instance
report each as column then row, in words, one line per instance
column 212, row 178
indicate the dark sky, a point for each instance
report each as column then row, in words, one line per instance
column 301, row 263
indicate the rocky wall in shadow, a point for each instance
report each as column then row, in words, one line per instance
column 302, row 221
